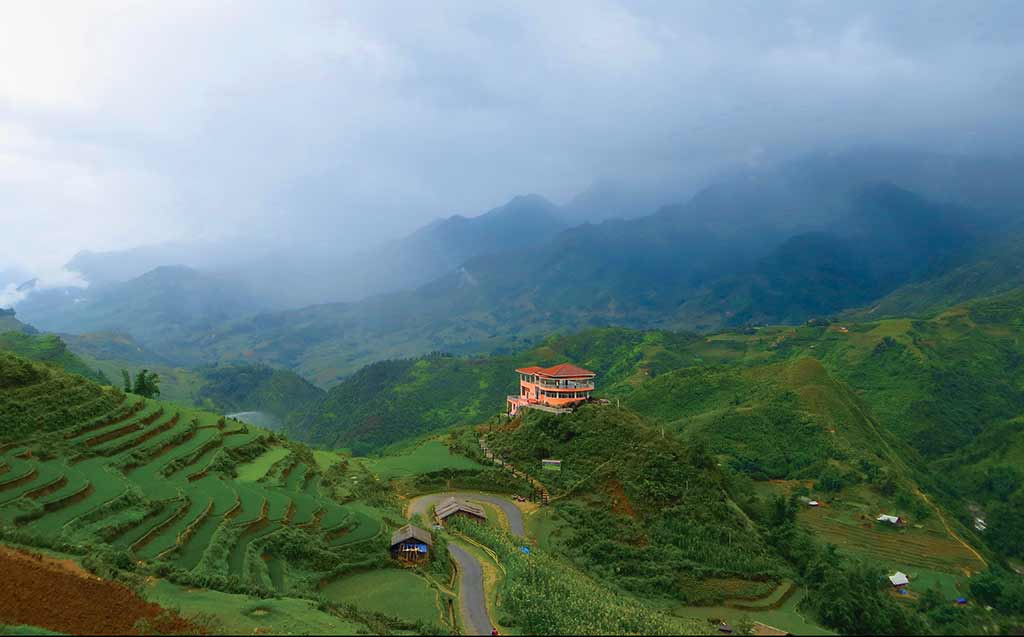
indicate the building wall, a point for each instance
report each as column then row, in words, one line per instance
column 552, row 397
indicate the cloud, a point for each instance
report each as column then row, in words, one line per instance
column 130, row 123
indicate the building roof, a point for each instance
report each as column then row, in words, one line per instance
column 892, row 519
column 451, row 506
column 410, row 532
column 899, row 579
column 565, row 370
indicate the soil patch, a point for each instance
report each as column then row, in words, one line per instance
column 59, row 595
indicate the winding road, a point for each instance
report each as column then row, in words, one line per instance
column 472, row 598
column 423, row 503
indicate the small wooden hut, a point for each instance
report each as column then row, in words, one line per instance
column 411, row 544
column 453, row 507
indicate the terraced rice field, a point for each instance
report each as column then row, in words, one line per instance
column 296, row 477
column 892, row 547
column 365, row 524
column 258, row 468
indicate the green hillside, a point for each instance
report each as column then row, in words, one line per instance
column 389, row 401
column 8, row 322
column 232, row 526
column 150, row 488
column 49, row 348
column 278, row 392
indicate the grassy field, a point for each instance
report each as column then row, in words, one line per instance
column 786, row 617
column 255, row 470
column 240, row 614
column 390, row 592
column 431, row 455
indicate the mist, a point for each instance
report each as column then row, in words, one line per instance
column 327, row 127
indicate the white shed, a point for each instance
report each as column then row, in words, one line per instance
column 891, row 519
column 899, row 579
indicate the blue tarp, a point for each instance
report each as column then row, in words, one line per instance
column 422, row 548
column 525, row 549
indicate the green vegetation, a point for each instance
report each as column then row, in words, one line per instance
column 584, row 606
column 427, row 457
column 237, row 387
column 380, row 592
column 638, row 508
column 51, row 349
column 219, row 513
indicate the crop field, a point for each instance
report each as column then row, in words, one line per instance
column 233, row 514
column 377, row 592
column 365, row 522
column 891, row 547
column 432, row 455
column 162, row 483
column 787, row 617
column 255, row 470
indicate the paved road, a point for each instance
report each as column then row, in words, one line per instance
column 472, row 604
column 472, row 600
column 423, row 503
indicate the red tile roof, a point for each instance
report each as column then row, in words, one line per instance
column 565, row 370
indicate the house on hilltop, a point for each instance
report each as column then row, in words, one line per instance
column 411, row 544
column 452, row 507
column 559, row 388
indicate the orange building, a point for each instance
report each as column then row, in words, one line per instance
column 560, row 387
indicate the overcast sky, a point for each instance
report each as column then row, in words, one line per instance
column 131, row 123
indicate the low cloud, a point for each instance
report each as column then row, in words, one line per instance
column 124, row 125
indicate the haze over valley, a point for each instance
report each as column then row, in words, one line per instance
column 462, row 318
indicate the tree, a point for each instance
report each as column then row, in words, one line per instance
column 127, row 381
column 147, row 384
column 1006, row 525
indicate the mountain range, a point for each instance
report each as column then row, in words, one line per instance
column 814, row 236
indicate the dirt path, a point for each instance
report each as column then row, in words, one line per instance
column 59, row 595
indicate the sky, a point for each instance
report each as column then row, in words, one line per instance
column 132, row 123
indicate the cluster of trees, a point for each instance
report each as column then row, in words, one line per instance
column 147, row 383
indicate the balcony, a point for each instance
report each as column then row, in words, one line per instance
column 566, row 385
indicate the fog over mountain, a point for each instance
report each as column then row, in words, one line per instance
column 321, row 129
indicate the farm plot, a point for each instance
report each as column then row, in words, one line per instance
column 365, row 523
column 254, row 504
column 166, row 540
column 32, row 476
column 164, row 516
column 125, row 444
column 104, row 485
column 334, row 517
column 907, row 547
column 258, row 468
column 312, row 486
column 296, row 477
column 432, row 455
column 377, row 592
column 305, row 508
column 154, row 470
column 237, row 557
column 276, row 566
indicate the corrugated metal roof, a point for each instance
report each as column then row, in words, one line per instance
column 410, row 532
column 451, row 505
